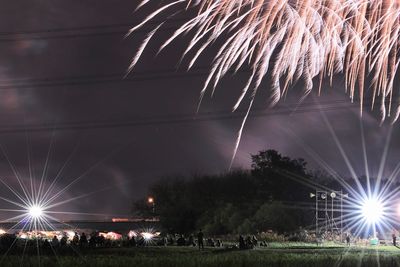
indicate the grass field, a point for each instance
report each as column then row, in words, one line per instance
column 278, row 255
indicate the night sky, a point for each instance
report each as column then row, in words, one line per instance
column 125, row 133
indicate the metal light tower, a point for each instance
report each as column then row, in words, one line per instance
column 336, row 211
column 326, row 219
column 321, row 210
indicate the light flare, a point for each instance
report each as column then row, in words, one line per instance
column 147, row 236
column 35, row 211
column 373, row 210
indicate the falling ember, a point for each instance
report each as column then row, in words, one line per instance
column 292, row 41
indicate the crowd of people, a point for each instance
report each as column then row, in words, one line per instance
column 79, row 240
column 198, row 240
column 97, row 240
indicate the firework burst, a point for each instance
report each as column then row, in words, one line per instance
column 294, row 40
column 291, row 41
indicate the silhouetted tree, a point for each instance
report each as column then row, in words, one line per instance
column 278, row 177
column 267, row 197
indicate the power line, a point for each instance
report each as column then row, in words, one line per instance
column 85, row 31
column 115, row 78
column 101, row 81
column 166, row 120
column 165, row 74
column 104, row 78
column 77, row 35
column 99, row 76
column 140, row 76
column 59, row 30
column 90, row 27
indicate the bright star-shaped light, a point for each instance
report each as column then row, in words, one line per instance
column 372, row 210
column 147, row 236
column 35, row 211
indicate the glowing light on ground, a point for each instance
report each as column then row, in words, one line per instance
column 147, row 236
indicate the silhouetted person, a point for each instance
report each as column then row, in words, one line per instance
column 181, row 241
column 218, row 243
column 46, row 244
column 107, row 243
column 254, row 241
column 394, row 238
column 171, row 240
column 63, row 241
column 132, row 242
column 75, row 240
column 348, row 239
column 210, row 242
column 83, row 240
column 191, row 241
column 162, row 241
column 54, row 242
column 242, row 244
column 200, row 239
column 92, row 240
column 7, row 240
column 101, row 240
column 249, row 242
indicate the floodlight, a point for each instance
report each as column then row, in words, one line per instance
column 147, row 236
column 35, row 211
column 372, row 210
column 323, row 195
column 333, row 195
column 312, row 195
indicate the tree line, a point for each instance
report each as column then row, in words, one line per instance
column 273, row 195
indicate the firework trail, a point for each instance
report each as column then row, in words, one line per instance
column 291, row 41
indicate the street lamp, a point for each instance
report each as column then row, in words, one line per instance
column 150, row 201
